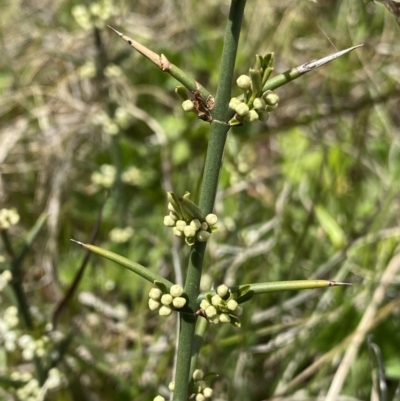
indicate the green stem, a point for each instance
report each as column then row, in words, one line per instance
column 218, row 133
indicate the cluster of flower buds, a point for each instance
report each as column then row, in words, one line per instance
column 199, row 388
column 255, row 103
column 221, row 307
column 165, row 301
column 187, row 220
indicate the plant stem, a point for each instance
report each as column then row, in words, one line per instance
column 218, row 133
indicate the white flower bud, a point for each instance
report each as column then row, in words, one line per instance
column 155, row 293
column 179, row 302
column 195, row 224
column 180, row 225
column 177, row 232
column 176, row 290
column 166, row 299
column 154, row 305
column 211, row 311
column 200, row 397
column 222, row 290
column 174, row 216
column 198, row 374
column 232, row 305
column 204, row 226
column 242, row 109
column 188, row 105
column 189, row 231
column 234, row 102
column 171, row 386
column 271, row 98
column 214, row 320
column 208, row 392
column 204, row 304
column 168, row 221
column 259, row 104
column 202, row 236
column 171, row 208
column 211, row 219
column 159, row 398
column 224, row 318
column 216, row 300
column 252, row 115
column 244, row 82
column 165, row 311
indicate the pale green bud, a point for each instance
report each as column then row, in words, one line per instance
column 165, row 311
column 153, row 304
column 202, row 236
column 222, row 290
column 166, row 299
column 155, row 293
column 216, row 300
column 271, row 108
column 259, row 104
column 200, row 397
column 242, row 109
column 189, row 231
column 171, row 208
column 204, row 304
column 263, row 115
column 177, row 232
column 159, row 398
column 171, row 386
column 204, row 226
column 168, row 221
column 188, row 105
column 180, row 225
column 208, row 392
column 244, row 82
column 179, row 302
column 234, row 102
column 201, row 384
column 271, row 98
column 198, row 374
column 196, row 224
column 214, row 320
column 224, row 318
column 252, row 115
column 239, row 311
column 211, row 219
column 232, row 305
column 176, row 290
column 211, row 311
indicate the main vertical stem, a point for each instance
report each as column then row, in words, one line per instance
column 213, row 163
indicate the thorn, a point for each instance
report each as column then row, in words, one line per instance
column 302, row 69
column 78, row 242
column 117, row 32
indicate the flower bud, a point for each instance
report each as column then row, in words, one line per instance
column 153, row 305
column 180, row 225
column 263, row 115
column 188, row 105
column 179, row 302
column 204, row 226
column 199, row 397
column 259, row 103
column 208, row 392
column 155, row 293
column 159, row 398
column 252, row 115
column 168, row 221
column 214, row 320
column 166, row 299
column 234, row 102
column 238, row 311
column 176, row 290
column 177, row 232
column 224, row 318
column 232, row 305
column 198, row 374
column 196, row 224
column 211, row 311
column 211, row 219
column 242, row 109
column 165, row 311
column 202, row 236
column 171, row 207
column 189, row 231
column 216, row 300
column 171, row 386
column 271, row 108
column 222, row 290
column 271, row 98
column 204, row 304
column 173, row 216
column 243, row 82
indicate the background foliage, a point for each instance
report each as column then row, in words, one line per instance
column 314, row 193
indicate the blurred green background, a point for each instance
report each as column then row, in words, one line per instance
column 312, row 193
